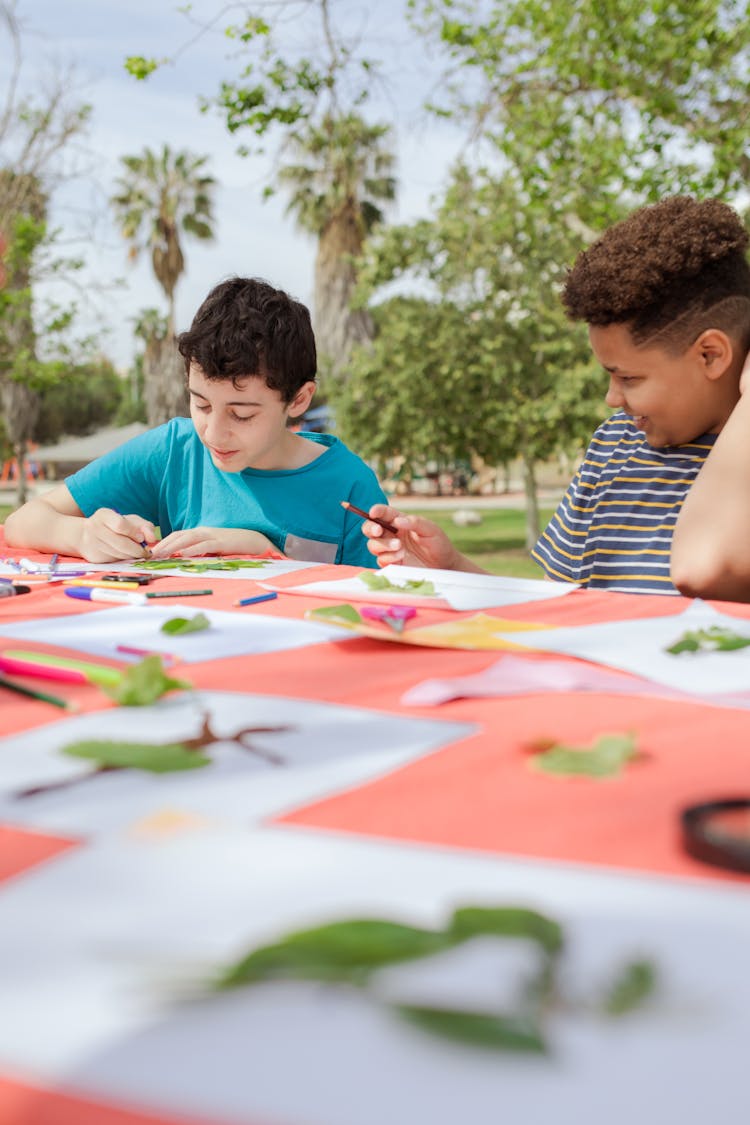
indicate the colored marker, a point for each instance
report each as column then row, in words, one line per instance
column 256, row 599
column 366, row 516
column 178, row 593
column 8, row 590
column 45, row 665
column 43, row 696
column 100, row 583
column 95, row 594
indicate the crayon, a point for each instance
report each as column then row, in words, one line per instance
column 43, row 696
column 256, row 599
column 366, row 516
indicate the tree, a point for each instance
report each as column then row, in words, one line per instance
column 487, row 365
column 341, row 175
column 160, row 195
column 33, row 133
column 335, row 165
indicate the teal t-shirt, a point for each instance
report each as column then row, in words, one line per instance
column 167, row 476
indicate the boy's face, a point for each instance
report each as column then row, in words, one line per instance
column 243, row 424
column 673, row 399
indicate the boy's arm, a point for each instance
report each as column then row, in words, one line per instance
column 711, row 543
column 54, row 522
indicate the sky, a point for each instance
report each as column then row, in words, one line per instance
column 254, row 238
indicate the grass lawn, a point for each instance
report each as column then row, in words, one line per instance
column 497, row 543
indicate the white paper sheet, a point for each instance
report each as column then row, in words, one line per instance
column 639, row 646
column 453, row 589
column 230, row 634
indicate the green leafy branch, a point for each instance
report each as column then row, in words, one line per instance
column 156, row 757
column 350, row 953
column 198, row 566
column 422, row 587
column 716, row 638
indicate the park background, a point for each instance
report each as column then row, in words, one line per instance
column 420, row 173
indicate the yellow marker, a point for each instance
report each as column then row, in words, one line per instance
column 101, row 583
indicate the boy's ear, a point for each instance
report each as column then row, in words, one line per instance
column 715, row 351
column 302, row 399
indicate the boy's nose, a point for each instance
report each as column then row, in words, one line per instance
column 614, row 396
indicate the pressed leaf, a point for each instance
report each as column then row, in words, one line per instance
column 337, row 613
column 477, row 1029
column 167, row 758
column 419, row 586
column 176, row 626
column 608, row 755
column 144, row 683
column 507, row 921
column 199, row 566
column 632, row 985
column 339, row 951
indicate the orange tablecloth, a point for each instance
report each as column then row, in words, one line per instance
column 476, row 794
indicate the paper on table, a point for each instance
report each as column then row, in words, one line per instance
column 639, row 646
column 453, row 589
column 268, row 568
column 230, row 634
column 518, row 675
column 478, row 632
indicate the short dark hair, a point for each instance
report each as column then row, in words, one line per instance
column 246, row 327
column 668, row 271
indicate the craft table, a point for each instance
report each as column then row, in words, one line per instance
column 123, row 896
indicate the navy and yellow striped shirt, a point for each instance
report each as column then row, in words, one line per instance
column 613, row 528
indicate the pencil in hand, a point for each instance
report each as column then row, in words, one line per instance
column 366, row 516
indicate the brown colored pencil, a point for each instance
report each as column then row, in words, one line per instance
column 365, row 516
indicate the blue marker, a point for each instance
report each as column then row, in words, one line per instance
column 97, row 594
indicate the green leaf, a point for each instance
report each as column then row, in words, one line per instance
column 507, row 921
column 337, row 613
column 144, row 683
column 198, row 566
column 168, row 758
column 605, row 758
column 341, row 951
column 633, row 984
column 176, row 626
column 477, row 1029
column 420, row 586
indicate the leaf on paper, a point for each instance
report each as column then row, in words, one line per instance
column 419, row 586
column 144, row 683
column 511, row 1032
column 346, row 613
column 716, row 638
column 632, row 985
column 199, row 566
column 166, row 758
column 343, row 951
column 606, row 757
column 176, row 626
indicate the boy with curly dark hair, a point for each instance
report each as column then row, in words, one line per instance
column 234, row 478
column 666, row 296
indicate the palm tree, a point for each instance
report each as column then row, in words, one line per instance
column 159, row 196
column 342, row 175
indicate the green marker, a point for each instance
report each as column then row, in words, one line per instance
column 95, row 673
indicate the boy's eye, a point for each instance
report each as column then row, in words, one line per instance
column 243, row 417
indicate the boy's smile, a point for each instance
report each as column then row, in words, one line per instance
column 243, row 422
column 672, row 398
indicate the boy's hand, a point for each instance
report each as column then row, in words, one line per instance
column 106, row 536
column 420, row 542
column 195, row 541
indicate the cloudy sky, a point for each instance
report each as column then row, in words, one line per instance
column 253, row 237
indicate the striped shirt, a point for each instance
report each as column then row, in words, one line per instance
column 613, row 528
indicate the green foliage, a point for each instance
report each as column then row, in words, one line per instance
column 83, row 398
column 198, row 566
column 633, row 984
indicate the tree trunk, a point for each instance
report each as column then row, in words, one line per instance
column 164, row 390
column 532, row 501
column 338, row 327
column 20, row 410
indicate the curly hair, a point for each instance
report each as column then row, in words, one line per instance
column 246, row 327
column 670, row 270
